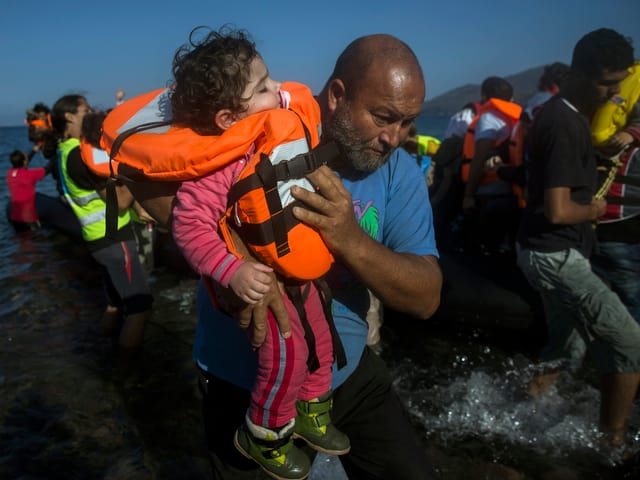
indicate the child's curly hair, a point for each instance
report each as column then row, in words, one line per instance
column 210, row 75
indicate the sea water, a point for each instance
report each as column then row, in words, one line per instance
column 63, row 415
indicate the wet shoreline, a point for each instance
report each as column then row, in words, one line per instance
column 65, row 414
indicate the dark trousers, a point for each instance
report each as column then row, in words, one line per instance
column 384, row 445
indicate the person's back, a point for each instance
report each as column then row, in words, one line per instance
column 549, row 83
column 459, row 122
column 490, row 204
column 21, row 182
column 487, row 136
column 127, row 291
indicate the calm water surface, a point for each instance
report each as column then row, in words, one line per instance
column 63, row 413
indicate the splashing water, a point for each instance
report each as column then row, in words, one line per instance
column 477, row 404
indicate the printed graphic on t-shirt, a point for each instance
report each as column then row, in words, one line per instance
column 367, row 217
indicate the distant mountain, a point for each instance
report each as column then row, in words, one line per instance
column 525, row 85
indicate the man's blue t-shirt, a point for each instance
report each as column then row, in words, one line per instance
column 392, row 206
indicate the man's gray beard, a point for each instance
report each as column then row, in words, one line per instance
column 358, row 155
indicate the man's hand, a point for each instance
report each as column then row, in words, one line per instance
column 329, row 210
column 397, row 279
column 254, row 317
column 600, row 205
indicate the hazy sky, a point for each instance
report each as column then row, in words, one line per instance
column 52, row 48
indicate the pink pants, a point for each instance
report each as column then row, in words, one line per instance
column 283, row 376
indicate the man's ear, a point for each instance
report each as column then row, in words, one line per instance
column 225, row 118
column 336, row 94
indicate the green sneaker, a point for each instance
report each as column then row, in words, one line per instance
column 313, row 425
column 276, row 454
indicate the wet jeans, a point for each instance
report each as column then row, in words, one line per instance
column 582, row 312
column 619, row 265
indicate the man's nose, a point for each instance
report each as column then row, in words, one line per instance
column 391, row 135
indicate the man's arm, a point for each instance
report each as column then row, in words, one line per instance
column 561, row 210
column 483, row 150
column 125, row 199
column 405, row 282
column 254, row 317
column 156, row 198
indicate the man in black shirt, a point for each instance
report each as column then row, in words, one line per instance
column 557, row 236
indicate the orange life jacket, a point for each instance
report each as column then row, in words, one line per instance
column 96, row 159
column 43, row 123
column 140, row 137
column 512, row 112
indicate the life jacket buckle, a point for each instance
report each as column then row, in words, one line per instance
column 295, row 168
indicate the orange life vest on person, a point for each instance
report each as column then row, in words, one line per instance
column 512, row 112
column 42, row 123
column 140, row 137
column 96, row 159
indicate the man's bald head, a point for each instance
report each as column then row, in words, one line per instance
column 378, row 51
column 372, row 98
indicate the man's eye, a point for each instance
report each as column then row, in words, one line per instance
column 382, row 120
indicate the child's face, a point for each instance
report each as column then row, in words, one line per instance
column 262, row 92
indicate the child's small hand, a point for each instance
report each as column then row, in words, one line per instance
column 251, row 281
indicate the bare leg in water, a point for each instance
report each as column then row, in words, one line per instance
column 618, row 390
column 541, row 383
column 111, row 319
column 132, row 337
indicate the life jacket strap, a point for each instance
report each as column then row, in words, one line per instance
column 280, row 229
column 297, row 167
column 111, row 212
column 326, row 297
column 111, row 209
column 117, row 143
column 266, row 177
column 298, row 295
column 262, row 234
column 305, row 163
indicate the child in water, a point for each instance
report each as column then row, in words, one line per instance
column 227, row 80
column 21, row 182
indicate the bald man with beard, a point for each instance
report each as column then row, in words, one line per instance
column 372, row 208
